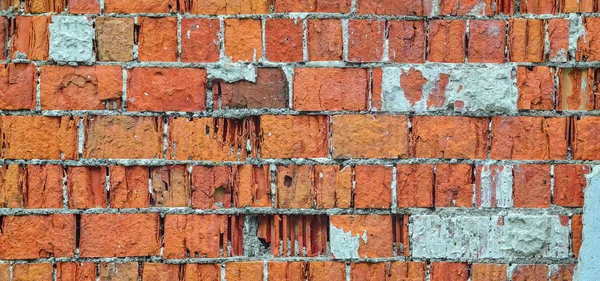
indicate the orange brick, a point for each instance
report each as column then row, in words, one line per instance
column 212, row 187
column 30, row 37
column 39, row 137
column 585, row 145
column 269, row 91
column 244, row 271
column 470, row 7
column 588, row 46
column 454, row 185
column 33, row 272
column 393, row 7
column 576, row 89
column 540, row 6
column 162, row 272
column 368, row 271
column 324, row 39
column 17, row 86
column 75, row 271
column 487, row 41
column 202, row 272
column 355, row 136
column 44, row 6
column 129, row 187
column 284, row 40
column 84, row 6
column 569, row 184
column 378, row 229
column 81, row 88
column 333, row 186
column 243, row 39
column 562, row 272
column 295, row 186
column 407, row 41
column 32, row 236
column 115, row 271
column 335, row 271
column 365, row 41
column 31, row 186
column 294, row 136
column 446, row 271
column 253, row 186
column 141, row 6
column 558, row 34
column 577, row 6
column 531, row 188
column 449, row 137
column 138, row 235
column 413, row 271
column 536, row 88
column 123, row 137
column 287, row 271
column 86, row 187
column 373, row 187
column 526, row 40
column 447, row 41
column 577, row 233
column 535, row 138
column 338, row 89
column 228, row 7
column 320, row 6
column 11, row 187
column 488, row 272
column 526, row 272
column 200, row 40
column 114, row 39
column 415, row 184
column 157, row 39
column 170, row 186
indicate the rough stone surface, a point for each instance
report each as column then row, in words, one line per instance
column 114, row 39
column 71, row 39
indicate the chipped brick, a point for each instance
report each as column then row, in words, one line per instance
column 269, row 91
column 86, row 187
column 200, row 40
column 536, row 88
column 129, row 187
column 170, row 186
column 529, row 138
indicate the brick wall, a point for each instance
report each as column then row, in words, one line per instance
column 296, row 139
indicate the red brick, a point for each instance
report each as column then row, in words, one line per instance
column 294, row 136
column 39, row 137
column 216, row 139
column 577, row 233
column 200, row 40
column 228, row 7
column 525, row 272
column 562, row 272
column 447, row 41
column 284, row 40
column 531, row 188
column 114, row 39
column 320, row 6
column 488, row 180
column 449, row 271
column 75, row 271
column 81, row 88
column 141, row 6
column 162, row 272
column 577, row 6
column 476, row 7
column 269, row 91
column 253, row 186
column 126, row 271
column 129, row 187
column 487, row 41
column 588, row 46
column 531, row 138
column 138, row 235
column 32, row 236
column 558, row 34
column 324, row 40
column 585, row 138
column 569, row 184
column 6, row 4
column 365, row 41
column 84, row 6
column 536, row 88
column 11, row 187
column 123, row 137
column 378, row 229
column 335, row 271
column 157, row 39
column 376, row 88
column 17, row 86
column 488, row 272
column 333, row 186
column 393, row 7
column 31, row 187
column 368, row 271
column 244, row 271
column 212, row 187
column 295, row 186
column 449, row 137
column 243, row 39
column 576, row 89
column 86, row 187
column 33, row 272
column 354, row 136
column 454, row 185
column 373, row 187
column 170, row 186
column 415, row 185
column 287, row 271
column 540, row 6
column 526, row 40
column 407, row 41
column 45, row 6
column 4, row 35
column 409, row 271
column 202, row 272
column 338, row 89
column 30, row 37
column 166, row 89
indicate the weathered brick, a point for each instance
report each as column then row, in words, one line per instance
column 114, row 39
column 45, row 6
column 6, row 4
column 449, row 137
column 447, row 41
column 71, row 39
column 33, row 272
column 212, row 186
column 129, row 187
column 324, row 40
column 354, row 136
column 536, row 88
column 243, row 40
column 335, row 271
column 413, row 271
column 81, row 88
column 32, row 236
column 523, row 138
column 84, row 6
column 540, row 6
column 577, row 6
column 454, row 185
column 558, row 34
column 488, row 272
column 373, row 187
column 287, row 271
column 170, row 186
column 162, row 272
column 526, row 40
column 86, row 187
column 31, row 186
column 561, row 272
column 585, row 135
column 577, row 233
column 392, row 7
column 283, row 39
column 75, row 271
column 202, row 272
column 17, row 86
column 4, row 35
column 414, row 186
column 588, row 46
column 532, row 186
column 365, row 41
column 6, row 267
column 200, row 40
column 524, row 272
column 295, row 186
column 30, row 37
column 244, row 271
column 319, row 6
column 269, row 91
column 224, row 7
column 138, row 235
column 487, row 41
column 123, row 137
column 253, row 186
column 333, row 186
column 576, row 89
column 39, row 137
column 368, row 271
column 338, row 89
column 166, row 89
column 407, row 41
column 294, row 136
column 360, row 236
column 11, row 189
column 493, row 186
column 569, row 184
column 116, row 271
column 141, row 6
column 157, row 39
column 456, row 271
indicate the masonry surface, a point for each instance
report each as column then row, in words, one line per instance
column 229, row 140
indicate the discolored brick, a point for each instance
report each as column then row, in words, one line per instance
column 526, row 272
column 576, row 90
column 244, row 271
column 375, row 230
column 243, row 40
column 114, row 39
column 288, row 271
column 269, row 91
column 569, row 184
column 119, row 271
column 488, row 272
column 558, row 34
column 202, row 272
column 45, row 6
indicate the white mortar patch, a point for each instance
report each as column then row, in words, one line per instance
column 344, row 244
column 232, row 72
column 71, row 39
column 589, row 256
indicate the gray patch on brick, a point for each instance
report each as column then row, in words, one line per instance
column 344, row 244
column 474, row 237
column 576, row 30
column 589, row 256
column 71, row 39
column 232, row 72
column 478, row 9
column 503, row 183
column 253, row 247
